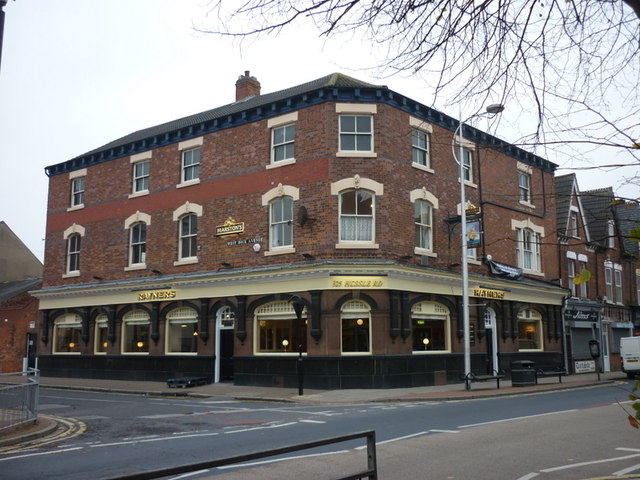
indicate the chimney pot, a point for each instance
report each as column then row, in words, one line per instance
column 247, row 86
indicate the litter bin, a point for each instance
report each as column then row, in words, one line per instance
column 523, row 373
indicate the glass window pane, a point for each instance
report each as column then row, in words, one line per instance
column 347, row 123
column 363, row 124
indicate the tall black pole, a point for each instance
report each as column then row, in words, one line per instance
column 298, row 306
column 2, row 5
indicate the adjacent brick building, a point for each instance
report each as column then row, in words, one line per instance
column 182, row 249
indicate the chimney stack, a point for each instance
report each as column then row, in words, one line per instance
column 247, row 86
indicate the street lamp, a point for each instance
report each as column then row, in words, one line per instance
column 492, row 110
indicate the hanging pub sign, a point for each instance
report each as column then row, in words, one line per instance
column 474, row 238
column 230, row 227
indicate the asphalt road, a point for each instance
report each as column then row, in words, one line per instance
column 523, row 437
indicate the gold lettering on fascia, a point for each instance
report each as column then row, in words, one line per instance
column 357, row 283
column 156, row 295
column 487, row 293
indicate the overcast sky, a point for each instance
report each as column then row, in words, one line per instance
column 77, row 74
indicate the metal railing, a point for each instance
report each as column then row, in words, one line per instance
column 19, row 394
column 371, row 472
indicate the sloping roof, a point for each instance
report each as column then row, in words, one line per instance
column 333, row 80
column 564, row 193
column 597, row 207
column 627, row 217
column 9, row 290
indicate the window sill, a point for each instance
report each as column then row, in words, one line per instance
column 135, row 353
column 531, row 350
column 281, row 163
column 67, row 353
column 356, row 153
column 186, row 261
column 532, row 272
column 141, row 193
column 356, row 354
column 270, row 354
column 527, row 204
column 470, row 184
column 424, row 168
column 99, row 353
column 369, row 246
column 424, row 252
column 279, row 251
column 188, row 183
column 75, row 207
column 71, row 274
column 473, row 261
column 141, row 266
column 191, row 354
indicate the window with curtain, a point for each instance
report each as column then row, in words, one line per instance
column 356, row 216
column 67, row 331
column 138, row 244
column 423, row 219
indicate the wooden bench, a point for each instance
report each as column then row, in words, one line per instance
column 550, row 372
column 185, row 382
column 472, row 377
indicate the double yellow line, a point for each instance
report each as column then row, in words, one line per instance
column 67, row 428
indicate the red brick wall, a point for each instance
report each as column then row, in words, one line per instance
column 15, row 317
column 233, row 179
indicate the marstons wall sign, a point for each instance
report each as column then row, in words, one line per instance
column 230, row 227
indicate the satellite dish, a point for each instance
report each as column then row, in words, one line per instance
column 303, row 216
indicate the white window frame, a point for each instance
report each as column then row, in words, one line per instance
column 608, row 281
column 435, row 312
column 276, row 124
column 571, row 274
column 178, row 215
column 372, row 187
column 189, row 237
column 185, row 148
column 356, row 110
column 617, row 282
column 611, row 232
column 69, row 233
column 425, row 128
column 187, row 319
column 524, row 187
column 423, row 222
column 279, row 311
column 528, row 243
column 582, row 265
column 531, row 316
column 77, row 185
column 278, row 229
column 141, row 178
column 101, row 327
column 67, row 321
column 139, row 243
column 574, row 224
column 356, row 310
column 422, row 194
column 267, row 199
column 133, row 318
column 129, row 224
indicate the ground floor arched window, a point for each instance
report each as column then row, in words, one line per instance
column 67, row 330
column 101, row 328
column 277, row 330
column 430, row 327
column 529, row 330
column 135, row 332
column 355, row 318
column 182, row 331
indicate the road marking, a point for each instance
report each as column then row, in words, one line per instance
column 275, row 460
column 391, row 440
column 191, row 474
column 624, row 471
column 444, row 431
column 593, row 462
column 158, row 439
column 311, row 421
column 528, row 476
column 262, row 428
column 26, row 455
column 625, row 449
column 517, row 418
column 218, row 401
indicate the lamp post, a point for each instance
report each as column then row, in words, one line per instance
column 491, row 109
column 298, row 306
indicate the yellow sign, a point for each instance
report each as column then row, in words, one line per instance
column 357, row 282
column 230, row 227
column 488, row 293
column 156, row 295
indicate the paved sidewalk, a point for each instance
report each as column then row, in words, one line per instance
column 443, row 392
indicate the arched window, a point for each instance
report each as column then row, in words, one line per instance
column 423, row 218
column 138, row 244
column 182, row 331
column 430, row 327
column 529, row 330
column 73, row 253
column 355, row 318
column 67, row 330
column 188, row 236
column 277, row 330
column 356, row 216
column 281, row 222
column 100, row 339
column 135, row 332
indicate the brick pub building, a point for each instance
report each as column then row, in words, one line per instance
column 177, row 250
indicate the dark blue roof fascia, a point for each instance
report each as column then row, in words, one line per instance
column 261, row 108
